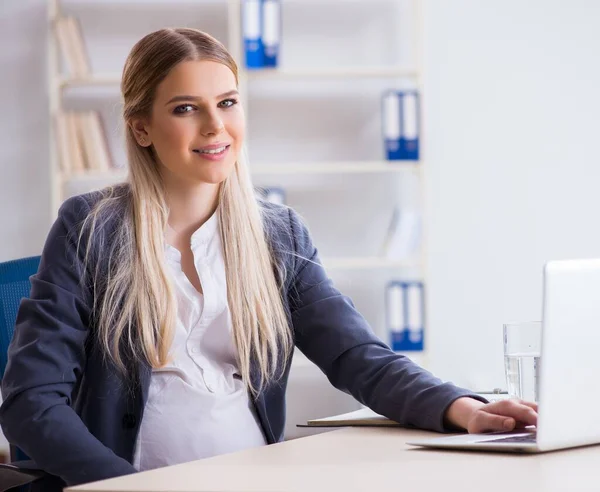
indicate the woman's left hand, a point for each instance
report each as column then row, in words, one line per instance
column 477, row 417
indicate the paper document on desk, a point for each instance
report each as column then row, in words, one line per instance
column 366, row 417
column 362, row 417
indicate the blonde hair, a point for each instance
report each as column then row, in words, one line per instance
column 134, row 303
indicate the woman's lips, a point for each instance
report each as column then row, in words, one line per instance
column 212, row 156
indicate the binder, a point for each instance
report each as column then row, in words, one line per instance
column 251, row 21
column 401, row 123
column 403, row 234
column 275, row 195
column 396, row 313
column 405, row 310
column 415, row 311
column 271, row 35
column 272, row 194
column 409, row 142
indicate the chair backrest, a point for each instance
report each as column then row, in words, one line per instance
column 14, row 285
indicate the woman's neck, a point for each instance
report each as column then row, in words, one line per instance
column 189, row 208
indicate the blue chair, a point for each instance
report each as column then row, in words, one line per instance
column 14, row 285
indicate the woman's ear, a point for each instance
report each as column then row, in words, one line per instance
column 139, row 126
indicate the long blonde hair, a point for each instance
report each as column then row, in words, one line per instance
column 134, row 303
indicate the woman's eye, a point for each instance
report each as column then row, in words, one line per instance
column 184, row 108
column 227, row 103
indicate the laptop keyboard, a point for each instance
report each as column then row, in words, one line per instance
column 529, row 438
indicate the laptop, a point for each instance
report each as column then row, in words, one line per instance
column 569, row 365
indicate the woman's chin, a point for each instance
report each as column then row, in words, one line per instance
column 214, row 177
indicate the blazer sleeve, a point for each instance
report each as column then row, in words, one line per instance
column 46, row 359
column 335, row 336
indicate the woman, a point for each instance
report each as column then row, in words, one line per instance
column 162, row 318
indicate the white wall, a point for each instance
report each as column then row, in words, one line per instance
column 511, row 127
column 24, row 190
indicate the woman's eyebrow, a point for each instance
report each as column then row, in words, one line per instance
column 194, row 98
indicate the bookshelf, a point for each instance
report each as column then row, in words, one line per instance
column 329, row 157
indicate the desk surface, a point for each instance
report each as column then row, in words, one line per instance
column 365, row 459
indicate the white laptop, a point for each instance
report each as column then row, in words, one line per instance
column 569, row 367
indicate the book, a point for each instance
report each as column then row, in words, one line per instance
column 65, row 45
column 65, row 160
column 82, row 65
column 72, row 47
column 75, row 147
column 95, row 147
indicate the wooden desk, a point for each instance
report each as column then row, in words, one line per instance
column 367, row 459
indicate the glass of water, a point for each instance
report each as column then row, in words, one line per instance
column 522, row 343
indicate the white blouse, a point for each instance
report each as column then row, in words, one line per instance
column 197, row 405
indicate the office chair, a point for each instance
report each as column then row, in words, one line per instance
column 14, row 285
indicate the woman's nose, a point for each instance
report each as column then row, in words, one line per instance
column 213, row 125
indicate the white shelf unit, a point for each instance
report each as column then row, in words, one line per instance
column 340, row 166
column 293, row 169
column 268, row 73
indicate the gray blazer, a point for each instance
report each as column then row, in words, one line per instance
column 78, row 418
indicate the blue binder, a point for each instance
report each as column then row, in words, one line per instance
column 401, row 123
column 405, row 313
column 271, row 35
column 395, row 313
column 252, row 28
column 274, row 194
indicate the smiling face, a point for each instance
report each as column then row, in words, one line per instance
column 197, row 124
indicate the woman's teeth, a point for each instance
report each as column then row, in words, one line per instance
column 212, row 151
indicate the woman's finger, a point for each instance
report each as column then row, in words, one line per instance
column 530, row 404
column 521, row 412
column 490, row 422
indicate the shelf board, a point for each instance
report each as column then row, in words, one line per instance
column 283, row 169
column 113, row 175
column 341, row 167
column 341, row 72
column 270, row 73
column 366, row 262
column 91, row 81
column 141, row 3
column 177, row 3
